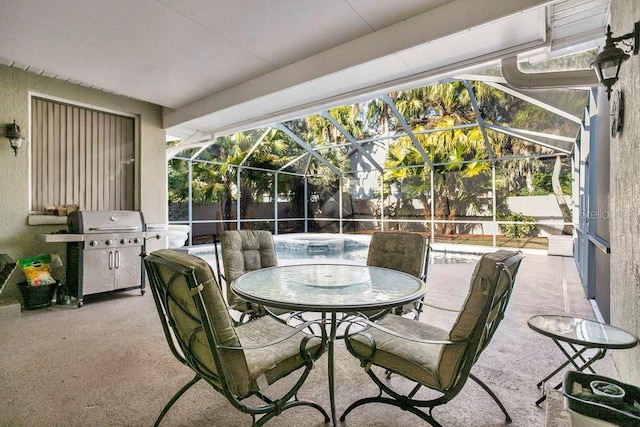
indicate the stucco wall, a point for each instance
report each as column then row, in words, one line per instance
column 16, row 237
column 625, row 200
column 542, row 208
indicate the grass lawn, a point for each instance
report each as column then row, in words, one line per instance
column 501, row 241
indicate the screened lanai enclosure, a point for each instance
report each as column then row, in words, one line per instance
column 466, row 160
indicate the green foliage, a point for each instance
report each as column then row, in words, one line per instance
column 445, row 164
column 178, row 181
column 255, row 154
column 437, row 115
column 542, row 185
column 518, row 229
column 263, row 225
column 542, row 180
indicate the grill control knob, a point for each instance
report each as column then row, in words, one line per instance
column 93, row 243
column 108, row 242
column 136, row 240
column 123, row 241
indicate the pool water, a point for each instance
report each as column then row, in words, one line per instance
column 320, row 247
column 360, row 254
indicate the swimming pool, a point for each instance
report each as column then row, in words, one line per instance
column 295, row 248
column 360, row 254
column 346, row 247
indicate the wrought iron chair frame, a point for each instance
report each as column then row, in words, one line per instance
column 477, row 342
column 8, row 265
column 260, row 414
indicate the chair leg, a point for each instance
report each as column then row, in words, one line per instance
column 404, row 402
column 286, row 401
column 262, row 420
column 379, row 399
column 175, row 398
column 493, row 396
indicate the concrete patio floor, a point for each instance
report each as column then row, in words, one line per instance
column 108, row 364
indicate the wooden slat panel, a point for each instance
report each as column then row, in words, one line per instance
column 56, row 170
column 36, row 105
column 48, row 119
column 81, row 156
column 68, row 156
column 130, row 162
column 77, row 155
column 116, row 161
column 93, row 160
column 102, row 154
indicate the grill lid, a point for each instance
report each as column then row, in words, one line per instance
column 93, row 222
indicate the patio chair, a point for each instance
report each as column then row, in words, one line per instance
column 236, row 361
column 7, row 265
column 244, row 251
column 402, row 251
column 432, row 357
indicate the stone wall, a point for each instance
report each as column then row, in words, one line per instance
column 625, row 200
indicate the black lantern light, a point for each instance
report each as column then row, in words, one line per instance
column 607, row 63
column 14, row 136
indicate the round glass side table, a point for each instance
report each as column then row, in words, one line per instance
column 574, row 336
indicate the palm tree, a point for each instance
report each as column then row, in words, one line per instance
column 455, row 152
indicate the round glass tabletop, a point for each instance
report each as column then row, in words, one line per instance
column 584, row 332
column 328, row 287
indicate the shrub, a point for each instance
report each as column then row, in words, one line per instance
column 263, row 225
column 518, row 229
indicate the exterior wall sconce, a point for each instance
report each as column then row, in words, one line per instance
column 14, row 136
column 607, row 63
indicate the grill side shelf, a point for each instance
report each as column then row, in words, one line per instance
column 60, row 238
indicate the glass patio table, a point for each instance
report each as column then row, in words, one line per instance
column 578, row 336
column 330, row 289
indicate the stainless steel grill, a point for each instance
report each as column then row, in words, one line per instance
column 104, row 251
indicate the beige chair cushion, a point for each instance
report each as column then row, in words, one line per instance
column 185, row 315
column 277, row 360
column 434, row 365
column 244, row 251
column 481, row 280
column 483, row 276
column 400, row 251
column 416, row 361
column 242, row 368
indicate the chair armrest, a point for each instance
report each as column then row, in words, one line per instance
column 294, row 330
column 395, row 334
column 440, row 308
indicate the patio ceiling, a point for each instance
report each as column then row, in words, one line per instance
column 222, row 66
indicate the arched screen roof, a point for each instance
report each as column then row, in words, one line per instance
column 480, row 112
